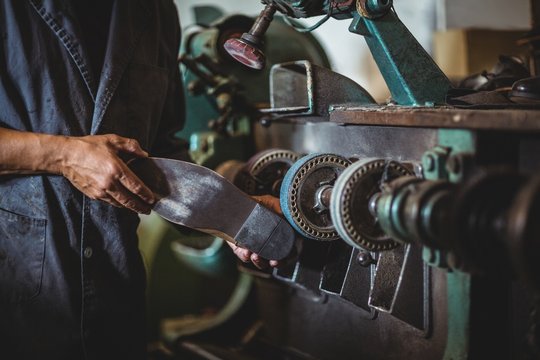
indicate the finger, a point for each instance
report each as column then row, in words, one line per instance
column 274, row 263
column 112, row 202
column 259, row 262
column 128, row 200
column 131, row 146
column 135, row 185
column 243, row 254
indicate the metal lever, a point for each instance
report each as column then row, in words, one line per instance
column 388, row 276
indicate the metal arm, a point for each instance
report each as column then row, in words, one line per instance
column 410, row 73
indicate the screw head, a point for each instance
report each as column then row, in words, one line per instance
column 265, row 122
column 454, row 164
column 364, row 259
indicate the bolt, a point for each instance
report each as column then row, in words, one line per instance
column 454, row 164
column 322, row 198
column 365, row 259
column 266, row 122
column 429, row 162
column 205, row 146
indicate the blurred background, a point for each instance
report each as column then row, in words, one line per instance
column 439, row 25
column 196, row 287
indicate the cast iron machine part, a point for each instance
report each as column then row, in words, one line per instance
column 404, row 64
column 262, row 174
column 483, row 224
column 224, row 88
column 352, row 203
column 326, row 197
column 306, row 191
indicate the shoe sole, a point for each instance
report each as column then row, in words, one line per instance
column 199, row 198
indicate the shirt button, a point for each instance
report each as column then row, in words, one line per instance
column 88, row 252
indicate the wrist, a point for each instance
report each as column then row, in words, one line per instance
column 29, row 153
column 56, row 151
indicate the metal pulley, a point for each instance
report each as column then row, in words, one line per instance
column 306, row 191
column 352, row 206
column 480, row 217
column 264, row 172
column 412, row 210
column 523, row 233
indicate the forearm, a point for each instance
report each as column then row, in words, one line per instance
column 30, row 153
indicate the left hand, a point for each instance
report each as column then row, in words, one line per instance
column 246, row 255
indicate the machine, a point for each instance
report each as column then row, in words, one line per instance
column 417, row 221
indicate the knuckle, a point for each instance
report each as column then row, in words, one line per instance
column 132, row 143
column 105, row 183
column 99, row 194
column 112, row 170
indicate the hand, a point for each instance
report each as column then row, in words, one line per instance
column 246, row 255
column 94, row 165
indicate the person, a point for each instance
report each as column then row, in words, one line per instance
column 85, row 85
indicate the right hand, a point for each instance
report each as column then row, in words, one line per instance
column 246, row 255
column 94, row 165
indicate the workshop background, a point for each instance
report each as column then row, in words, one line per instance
column 437, row 25
column 451, row 168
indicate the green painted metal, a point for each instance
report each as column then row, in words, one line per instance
column 434, row 163
column 458, row 283
column 283, row 44
column 452, row 143
column 210, row 149
column 176, row 286
column 410, row 73
column 433, row 257
column 458, row 140
column 459, row 310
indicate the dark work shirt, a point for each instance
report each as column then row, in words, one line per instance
column 94, row 18
column 72, row 280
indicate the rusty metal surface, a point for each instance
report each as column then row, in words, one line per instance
column 508, row 120
column 396, row 143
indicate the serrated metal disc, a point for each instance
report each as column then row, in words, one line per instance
column 350, row 203
column 298, row 194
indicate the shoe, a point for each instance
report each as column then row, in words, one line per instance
column 506, row 72
column 198, row 198
column 526, row 90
